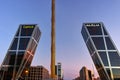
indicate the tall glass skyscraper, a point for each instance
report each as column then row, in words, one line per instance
column 20, row 53
column 102, row 50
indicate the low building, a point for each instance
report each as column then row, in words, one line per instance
column 37, row 73
column 59, row 71
column 85, row 74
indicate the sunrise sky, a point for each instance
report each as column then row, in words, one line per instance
column 71, row 50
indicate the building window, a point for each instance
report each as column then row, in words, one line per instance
column 95, row 30
column 99, row 43
column 90, row 47
column 11, row 58
column 108, row 71
column 97, row 61
column 103, row 75
column 103, row 56
column 114, row 58
column 110, row 45
column 14, row 44
column 23, row 43
column 19, row 57
column 116, row 74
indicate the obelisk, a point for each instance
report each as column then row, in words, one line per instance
column 53, row 51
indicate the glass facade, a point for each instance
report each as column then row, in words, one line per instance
column 102, row 50
column 20, row 52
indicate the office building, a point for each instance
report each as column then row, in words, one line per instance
column 20, row 53
column 59, row 71
column 85, row 74
column 37, row 73
column 102, row 50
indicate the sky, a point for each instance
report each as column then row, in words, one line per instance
column 71, row 50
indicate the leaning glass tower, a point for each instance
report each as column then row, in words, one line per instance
column 20, row 53
column 102, row 50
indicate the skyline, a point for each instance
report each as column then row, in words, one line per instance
column 69, row 18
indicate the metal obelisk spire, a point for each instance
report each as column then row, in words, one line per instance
column 53, row 40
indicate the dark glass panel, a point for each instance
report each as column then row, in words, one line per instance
column 84, row 34
column 20, row 57
column 97, row 62
column 99, row 67
column 8, row 74
column 10, row 58
column 10, row 69
column 104, row 58
column 90, row 47
column 116, row 74
column 27, row 30
column 105, row 33
column 110, row 45
column 23, row 43
column 114, row 58
column 103, row 75
column 14, row 44
column 17, row 68
column 108, row 71
column 95, row 30
column 99, row 43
